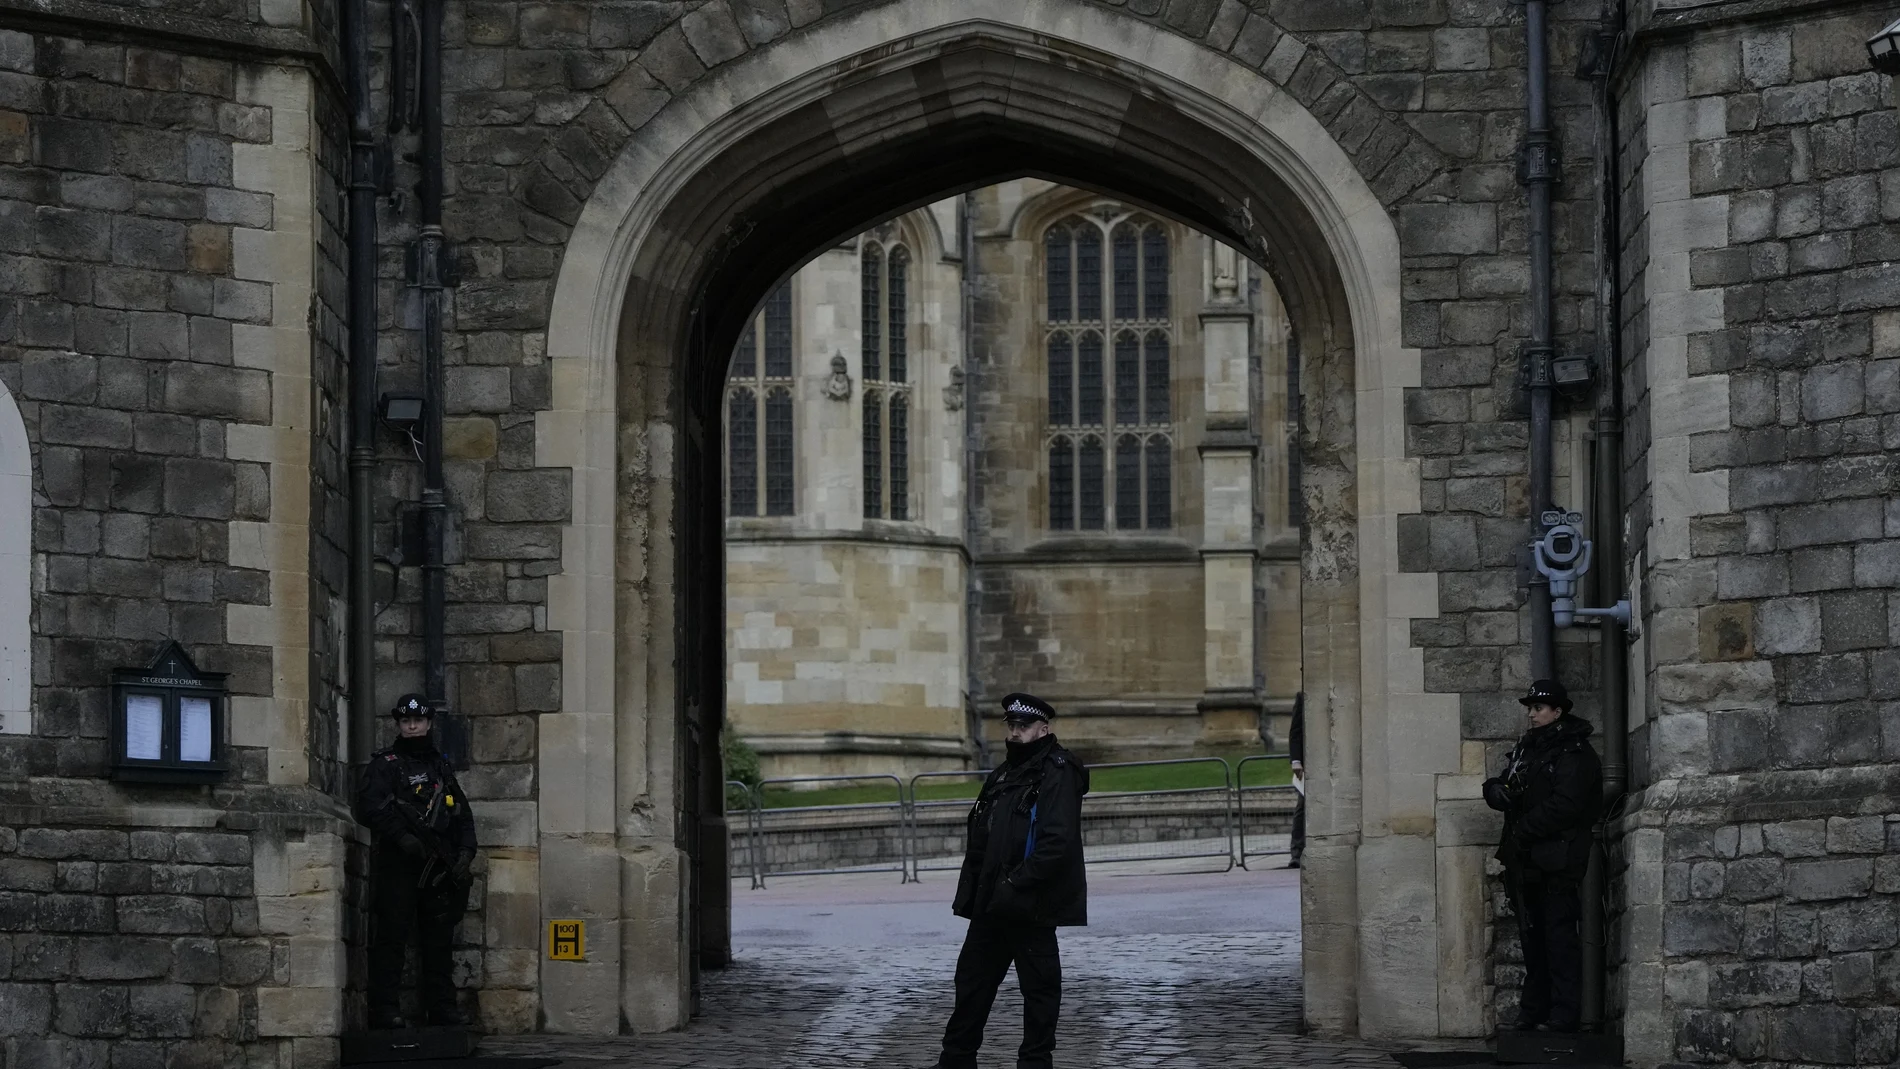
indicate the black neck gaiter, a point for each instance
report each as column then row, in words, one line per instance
column 1024, row 751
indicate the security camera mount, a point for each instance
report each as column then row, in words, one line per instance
column 1562, row 555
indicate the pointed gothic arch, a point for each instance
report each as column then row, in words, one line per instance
column 801, row 144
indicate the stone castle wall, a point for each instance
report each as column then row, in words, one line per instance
column 170, row 328
column 853, row 646
column 1759, row 887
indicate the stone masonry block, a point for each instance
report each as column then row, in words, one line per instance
column 714, row 34
column 1765, row 983
column 160, row 1010
column 56, row 843
column 1754, row 879
column 213, row 848
column 25, row 1009
column 1826, row 568
column 1788, row 625
column 1854, row 621
column 1455, row 229
column 161, row 914
column 1869, row 924
column 1856, row 835
column 86, row 1010
column 1693, row 928
column 239, row 394
column 1877, row 564
column 121, row 958
column 539, row 495
column 1752, row 576
column 298, row 1011
column 1796, row 838
column 1812, row 881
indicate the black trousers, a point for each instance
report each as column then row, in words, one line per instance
column 988, row 950
column 1549, row 917
column 400, row 907
column 1298, row 845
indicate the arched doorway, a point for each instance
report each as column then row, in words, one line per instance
column 806, row 142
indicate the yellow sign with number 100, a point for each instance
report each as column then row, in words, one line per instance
column 567, row 940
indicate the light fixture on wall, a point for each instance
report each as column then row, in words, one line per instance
column 404, row 412
column 1883, row 49
column 168, row 721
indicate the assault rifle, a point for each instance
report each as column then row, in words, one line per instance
column 441, row 861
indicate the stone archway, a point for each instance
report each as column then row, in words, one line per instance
column 804, row 142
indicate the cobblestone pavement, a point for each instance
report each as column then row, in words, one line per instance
column 1130, row 999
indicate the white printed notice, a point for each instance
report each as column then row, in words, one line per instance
column 144, row 726
column 194, row 729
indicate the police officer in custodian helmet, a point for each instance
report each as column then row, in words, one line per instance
column 1022, row 879
column 1550, row 794
column 419, row 871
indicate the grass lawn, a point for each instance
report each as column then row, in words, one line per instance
column 1102, row 780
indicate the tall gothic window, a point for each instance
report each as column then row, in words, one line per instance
column 884, row 311
column 1109, row 346
column 759, row 428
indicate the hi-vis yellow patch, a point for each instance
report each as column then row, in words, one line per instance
column 567, row 940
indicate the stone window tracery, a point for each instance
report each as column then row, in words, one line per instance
column 1109, row 360
column 760, row 429
column 884, row 310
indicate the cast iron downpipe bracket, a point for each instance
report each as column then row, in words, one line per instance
column 1540, row 159
column 432, row 260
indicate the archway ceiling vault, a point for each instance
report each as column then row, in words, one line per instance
column 978, row 111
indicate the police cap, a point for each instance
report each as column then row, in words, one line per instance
column 1547, row 692
column 412, row 705
column 1021, row 706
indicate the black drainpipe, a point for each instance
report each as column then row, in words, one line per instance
column 1539, row 171
column 972, row 595
column 430, row 273
column 362, row 367
column 1607, row 512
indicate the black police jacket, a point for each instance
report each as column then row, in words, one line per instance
column 1551, row 794
column 407, row 776
column 1008, row 876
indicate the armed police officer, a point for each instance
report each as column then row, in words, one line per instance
column 1022, row 879
column 420, row 868
column 1550, row 794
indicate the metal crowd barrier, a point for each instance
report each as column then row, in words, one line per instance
column 749, row 806
column 901, row 804
column 1231, row 846
column 1226, row 850
column 955, row 863
column 1240, row 805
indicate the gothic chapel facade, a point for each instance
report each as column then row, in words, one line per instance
column 972, row 451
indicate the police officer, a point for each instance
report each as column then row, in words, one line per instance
column 425, row 844
column 1022, row 879
column 1550, row 794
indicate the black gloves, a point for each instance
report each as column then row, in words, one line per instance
column 463, row 860
column 412, row 846
column 1496, row 795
